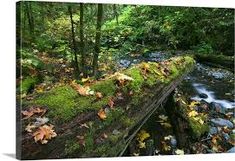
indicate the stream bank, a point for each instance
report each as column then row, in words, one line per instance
column 199, row 118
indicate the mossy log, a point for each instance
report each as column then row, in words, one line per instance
column 217, row 60
column 82, row 133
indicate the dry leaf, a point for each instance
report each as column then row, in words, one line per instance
column 29, row 127
column 44, row 133
column 27, row 114
column 98, row 95
column 123, row 77
column 166, row 125
column 102, row 114
column 111, row 103
column 179, row 152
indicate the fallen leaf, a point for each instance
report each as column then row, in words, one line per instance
column 163, row 117
column 84, row 125
column 122, row 78
column 29, row 127
column 111, row 103
column 41, row 121
column 141, row 145
column 85, row 79
column 102, row 114
column 165, row 147
column 166, row 125
column 179, row 152
column 98, row 95
column 192, row 113
column 44, row 133
column 168, row 137
column 142, row 135
column 27, row 114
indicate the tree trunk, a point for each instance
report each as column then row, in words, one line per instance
column 97, row 39
column 115, row 13
column 28, row 9
column 74, row 41
column 82, row 41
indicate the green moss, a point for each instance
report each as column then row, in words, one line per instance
column 106, row 87
column 60, row 101
column 71, row 147
column 138, row 81
column 27, row 84
column 89, row 140
column 196, row 128
column 126, row 121
column 113, row 116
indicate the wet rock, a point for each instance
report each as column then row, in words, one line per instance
column 203, row 95
column 232, row 150
column 226, row 136
column 222, row 122
column 124, row 63
column 213, row 130
column 204, row 106
column 173, row 141
column 217, row 107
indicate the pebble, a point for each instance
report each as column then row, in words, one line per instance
column 222, row 122
column 173, row 141
column 213, row 130
column 232, row 150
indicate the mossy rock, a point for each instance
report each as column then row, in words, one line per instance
column 197, row 129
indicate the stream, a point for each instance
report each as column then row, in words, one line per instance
column 212, row 87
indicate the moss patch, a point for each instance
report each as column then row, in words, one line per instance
column 196, row 128
column 60, row 101
column 27, row 84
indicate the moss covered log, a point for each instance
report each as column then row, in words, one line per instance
column 217, row 60
column 80, row 130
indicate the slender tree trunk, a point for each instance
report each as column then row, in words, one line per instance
column 28, row 8
column 82, row 42
column 115, row 12
column 97, row 39
column 74, row 41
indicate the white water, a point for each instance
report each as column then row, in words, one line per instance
column 200, row 88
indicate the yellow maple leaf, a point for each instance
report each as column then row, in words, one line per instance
column 142, row 135
column 141, row 145
column 192, row 113
column 193, row 104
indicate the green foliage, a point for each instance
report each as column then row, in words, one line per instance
column 60, row 101
column 29, row 59
column 204, row 48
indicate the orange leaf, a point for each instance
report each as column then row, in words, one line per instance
column 102, row 114
column 98, row 95
column 44, row 133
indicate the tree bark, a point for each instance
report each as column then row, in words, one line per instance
column 97, row 39
column 74, row 41
column 28, row 9
column 115, row 13
column 82, row 41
